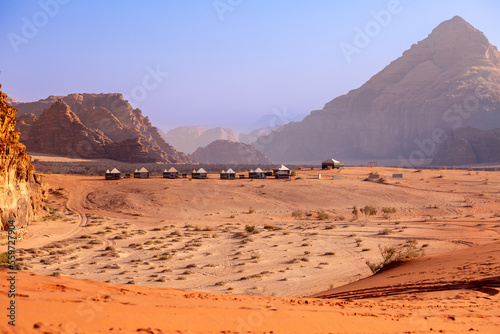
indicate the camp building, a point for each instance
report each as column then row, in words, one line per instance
column 172, row 173
column 331, row 163
column 257, row 174
column 282, row 172
column 142, row 173
column 113, row 175
column 199, row 174
column 228, row 175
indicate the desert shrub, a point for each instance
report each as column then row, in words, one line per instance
column 251, row 210
column 322, row 215
column 297, row 214
column 385, row 231
column 251, row 229
column 329, row 254
column 269, row 227
column 395, row 254
column 368, row 210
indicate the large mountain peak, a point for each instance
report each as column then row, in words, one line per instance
column 454, row 69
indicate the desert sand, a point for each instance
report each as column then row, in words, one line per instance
column 244, row 253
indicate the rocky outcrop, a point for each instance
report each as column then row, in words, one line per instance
column 467, row 146
column 448, row 80
column 230, row 152
column 22, row 191
column 188, row 138
column 109, row 125
column 59, row 131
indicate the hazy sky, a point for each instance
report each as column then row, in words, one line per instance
column 215, row 62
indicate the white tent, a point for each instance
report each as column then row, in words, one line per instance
column 115, row 171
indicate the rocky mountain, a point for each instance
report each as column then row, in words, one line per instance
column 230, row 152
column 93, row 126
column 188, row 138
column 22, row 191
column 468, row 145
column 449, row 80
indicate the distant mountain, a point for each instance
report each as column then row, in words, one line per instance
column 230, row 152
column 449, row 80
column 467, row 146
column 188, row 138
column 93, row 126
column 267, row 123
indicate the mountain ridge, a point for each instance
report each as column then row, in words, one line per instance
column 401, row 105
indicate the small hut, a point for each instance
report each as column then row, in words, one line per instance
column 282, row 172
column 228, row 175
column 172, row 173
column 199, row 174
column 257, row 174
column 142, row 173
column 113, row 175
column 331, row 163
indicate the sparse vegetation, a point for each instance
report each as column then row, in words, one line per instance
column 297, row 214
column 322, row 215
column 368, row 210
column 392, row 254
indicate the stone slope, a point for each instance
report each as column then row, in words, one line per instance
column 230, row 152
column 22, row 191
column 468, row 145
column 448, row 80
column 109, row 116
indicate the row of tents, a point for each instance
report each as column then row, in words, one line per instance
column 280, row 172
column 172, row 173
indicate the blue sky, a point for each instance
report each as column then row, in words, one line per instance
column 214, row 62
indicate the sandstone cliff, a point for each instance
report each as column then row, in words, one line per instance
column 22, row 191
column 449, row 80
column 230, row 152
column 108, row 128
column 188, row 138
column 467, row 146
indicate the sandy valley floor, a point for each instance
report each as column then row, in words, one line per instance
column 248, row 237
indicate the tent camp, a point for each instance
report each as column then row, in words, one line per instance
column 113, row 175
column 142, row 173
column 282, row 172
column 331, row 163
column 172, row 173
column 228, row 175
column 257, row 174
column 199, row 174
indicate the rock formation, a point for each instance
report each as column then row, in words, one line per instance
column 107, row 127
column 230, row 152
column 467, row 146
column 449, row 80
column 59, row 131
column 188, row 138
column 22, row 191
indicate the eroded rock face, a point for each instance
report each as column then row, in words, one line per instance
column 229, row 152
column 22, row 191
column 105, row 123
column 188, row 138
column 451, row 79
column 59, row 131
column 467, row 146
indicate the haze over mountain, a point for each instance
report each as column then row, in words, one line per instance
column 93, row 126
column 230, row 152
column 449, row 80
column 188, row 138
